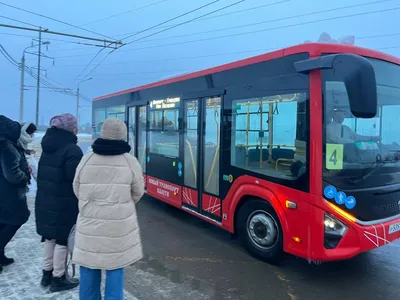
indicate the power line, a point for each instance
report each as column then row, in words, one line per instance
column 253, row 31
column 45, row 82
column 229, row 13
column 267, row 29
column 53, row 19
column 22, row 22
column 169, row 20
column 87, row 66
column 169, row 28
column 108, row 54
column 271, row 21
column 142, row 32
column 124, row 13
column 60, row 33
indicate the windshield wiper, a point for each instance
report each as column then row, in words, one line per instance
column 375, row 168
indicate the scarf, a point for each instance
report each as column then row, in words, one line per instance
column 110, row 147
column 25, row 139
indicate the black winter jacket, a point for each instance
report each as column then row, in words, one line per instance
column 56, row 206
column 14, row 175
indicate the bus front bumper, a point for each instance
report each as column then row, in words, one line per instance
column 355, row 238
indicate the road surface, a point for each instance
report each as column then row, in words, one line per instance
column 187, row 258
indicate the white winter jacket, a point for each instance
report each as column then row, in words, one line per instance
column 107, row 230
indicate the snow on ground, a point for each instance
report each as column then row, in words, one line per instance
column 21, row 280
column 40, row 134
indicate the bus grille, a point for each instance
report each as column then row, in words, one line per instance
column 387, row 210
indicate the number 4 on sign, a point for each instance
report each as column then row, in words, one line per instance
column 334, row 156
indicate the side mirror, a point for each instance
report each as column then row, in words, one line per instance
column 358, row 75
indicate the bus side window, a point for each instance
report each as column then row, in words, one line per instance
column 270, row 134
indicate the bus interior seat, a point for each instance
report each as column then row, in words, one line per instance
column 282, row 153
column 282, row 156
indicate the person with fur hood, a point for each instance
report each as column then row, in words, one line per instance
column 14, row 179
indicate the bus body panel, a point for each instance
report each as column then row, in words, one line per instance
column 303, row 227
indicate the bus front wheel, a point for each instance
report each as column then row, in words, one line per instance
column 260, row 230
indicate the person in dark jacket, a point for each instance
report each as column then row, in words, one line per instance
column 14, row 179
column 56, row 206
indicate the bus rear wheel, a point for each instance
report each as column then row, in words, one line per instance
column 260, row 231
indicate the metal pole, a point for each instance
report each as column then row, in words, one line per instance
column 38, row 78
column 21, row 99
column 77, row 106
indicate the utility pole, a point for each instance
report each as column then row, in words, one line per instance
column 21, row 99
column 77, row 98
column 38, row 78
column 77, row 105
column 21, row 108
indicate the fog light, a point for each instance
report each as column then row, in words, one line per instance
column 334, row 231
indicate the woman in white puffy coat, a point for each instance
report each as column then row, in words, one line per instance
column 108, row 183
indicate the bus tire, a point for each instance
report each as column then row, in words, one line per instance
column 260, row 231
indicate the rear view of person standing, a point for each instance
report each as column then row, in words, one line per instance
column 56, row 206
column 14, row 179
column 108, row 183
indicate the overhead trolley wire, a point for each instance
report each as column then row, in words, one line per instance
column 53, row 19
column 22, row 22
column 185, row 22
column 169, row 20
column 252, row 32
column 226, row 14
column 254, row 24
column 124, row 13
column 272, row 21
column 265, row 30
column 154, row 26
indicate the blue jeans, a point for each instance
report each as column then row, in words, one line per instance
column 90, row 282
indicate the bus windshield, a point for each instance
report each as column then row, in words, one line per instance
column 359, row 151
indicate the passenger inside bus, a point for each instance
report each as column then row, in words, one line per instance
column 338, row 133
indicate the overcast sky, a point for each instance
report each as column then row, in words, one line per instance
column 243, row 30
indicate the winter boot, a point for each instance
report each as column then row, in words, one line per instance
column 1, row 269
column 46, row 278
column 4, row 260
column 59, row 284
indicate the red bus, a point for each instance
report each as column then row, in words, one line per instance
column 295, row 151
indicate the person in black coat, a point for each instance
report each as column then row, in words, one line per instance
column 14, row 179
column 56, row 206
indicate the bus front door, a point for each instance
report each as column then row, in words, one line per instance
column 137, row 133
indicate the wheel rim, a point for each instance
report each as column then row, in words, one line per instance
column 262, row 229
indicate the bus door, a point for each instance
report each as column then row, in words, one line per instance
column 136, row 122
column 163, row 159
column 201, row 156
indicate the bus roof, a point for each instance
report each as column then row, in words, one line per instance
column 315, row 49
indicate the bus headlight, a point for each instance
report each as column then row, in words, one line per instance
column 334, row 231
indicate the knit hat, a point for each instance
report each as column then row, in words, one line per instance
column 114, row 129
column 66, row 122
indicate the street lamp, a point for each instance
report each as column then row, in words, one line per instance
column 21, row 100
column 77, row 98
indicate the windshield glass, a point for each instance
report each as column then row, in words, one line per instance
column 353, row 147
